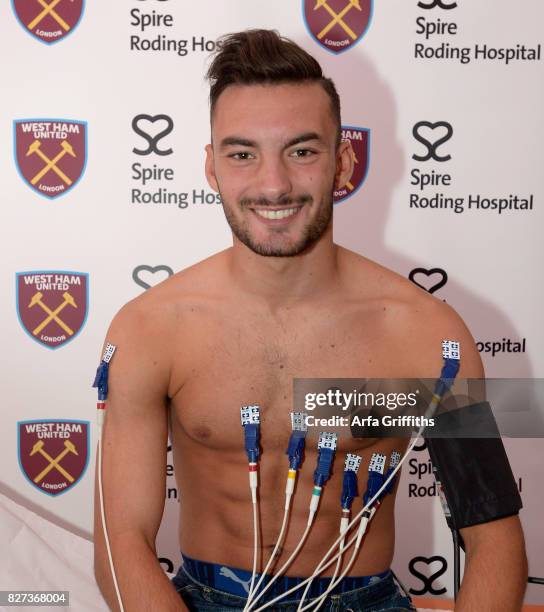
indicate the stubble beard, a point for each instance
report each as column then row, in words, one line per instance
column 311, row 233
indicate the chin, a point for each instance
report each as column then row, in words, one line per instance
column 278, row 249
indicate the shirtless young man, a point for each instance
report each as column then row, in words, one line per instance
column 283, row 302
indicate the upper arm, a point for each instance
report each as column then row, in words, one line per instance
column 135, row 431
column 503, row 536
column 500, row 539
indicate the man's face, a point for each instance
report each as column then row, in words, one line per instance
column 275, row 163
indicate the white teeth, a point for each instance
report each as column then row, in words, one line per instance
column 276, row 214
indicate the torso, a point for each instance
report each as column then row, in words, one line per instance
column 231, row 352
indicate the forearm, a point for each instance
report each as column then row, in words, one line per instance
column 142, row 582
column 495, row 578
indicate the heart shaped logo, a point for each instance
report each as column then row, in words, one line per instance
column 432, row 143
column 425, row 278
column 154, row 136
column 428, row 580
column 149, row 276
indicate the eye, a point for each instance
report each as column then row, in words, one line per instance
column 302, row 153
column 241, row 155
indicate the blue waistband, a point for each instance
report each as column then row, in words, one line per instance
column 236, row 581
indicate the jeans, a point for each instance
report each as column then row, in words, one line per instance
column 382, row 596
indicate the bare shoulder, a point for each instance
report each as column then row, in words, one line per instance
column 149, row 329
column 160, row 307
column 412, row 320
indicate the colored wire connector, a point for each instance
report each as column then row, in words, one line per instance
column 393, row 462
column 295, row 452
column 376, row 469
column 326, row 448
column 250, row 418
column 101, row 383
column 297, row 441
column 451, row 353
column 325, row 457
column 249, row 415
column 349, row 484
column 349, row 493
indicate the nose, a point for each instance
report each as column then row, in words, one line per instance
column 272, row 180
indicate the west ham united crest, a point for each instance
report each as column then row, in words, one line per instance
column 360, row 143
column 50, row 154
column 52, row 305
column 48, row 20
column 337, row 25
column 53, row 454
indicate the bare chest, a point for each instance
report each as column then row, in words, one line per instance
column 248, row 360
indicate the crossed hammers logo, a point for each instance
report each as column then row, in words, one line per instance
column 338, row 18
column 52, row 314
column 51, row 164
column 48, row 9
column 53, row 462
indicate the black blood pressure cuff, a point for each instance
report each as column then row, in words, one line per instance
column 474, row 472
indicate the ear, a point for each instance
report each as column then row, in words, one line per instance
column 344, row 164
column 210, row 168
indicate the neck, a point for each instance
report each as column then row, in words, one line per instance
column 283, row 280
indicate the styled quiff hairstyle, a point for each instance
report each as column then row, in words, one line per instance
column 263, row 57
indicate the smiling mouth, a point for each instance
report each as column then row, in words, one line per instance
column 276, row 214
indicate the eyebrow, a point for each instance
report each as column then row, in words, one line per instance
column 304, row 138
column 232, row 141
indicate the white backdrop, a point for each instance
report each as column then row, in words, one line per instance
column 450, row 97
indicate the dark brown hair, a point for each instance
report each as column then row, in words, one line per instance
column 264, row 57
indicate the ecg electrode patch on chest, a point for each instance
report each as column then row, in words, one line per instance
column 352, row 463
column 298, row 421
column 377, row 463
column 249, row 415
column 327, row 440
column 394, row 460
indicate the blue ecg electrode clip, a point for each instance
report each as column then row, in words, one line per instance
column 249, row 415
column 297, row 441
column 325, row 457
column 101, row 378
column 376, row 469
column 393, row 462
column 349, row 484
column 452, row 354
